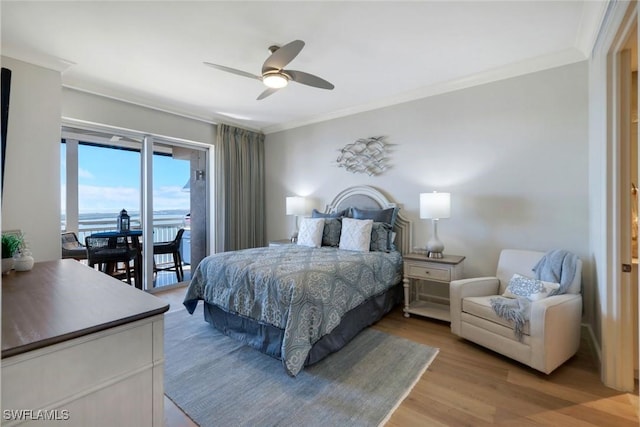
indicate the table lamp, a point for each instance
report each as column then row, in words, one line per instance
column 435, row 206
column 295, row 206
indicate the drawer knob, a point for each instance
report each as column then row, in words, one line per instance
column 426, row 272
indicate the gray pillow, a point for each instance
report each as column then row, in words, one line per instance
column 317, row 214
column 331, row 232
column 387, row 216
column 381, row 237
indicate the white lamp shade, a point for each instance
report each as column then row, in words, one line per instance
column 295, row 206
column 435, row 205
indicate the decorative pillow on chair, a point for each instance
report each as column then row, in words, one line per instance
column 310, row 233
column 356, row 234
column 527, row 287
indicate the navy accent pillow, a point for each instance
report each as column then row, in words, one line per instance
column 381, row 240
column 387, row 216
column 331, row 232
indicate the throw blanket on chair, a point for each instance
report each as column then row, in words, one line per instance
column 557, row 266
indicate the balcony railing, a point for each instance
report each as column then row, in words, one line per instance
column 164, row 230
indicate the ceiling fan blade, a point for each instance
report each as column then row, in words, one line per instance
column 233, row 71
column 267, row 92
column 309, row 79
column 281, row 57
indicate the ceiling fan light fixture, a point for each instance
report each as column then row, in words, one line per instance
column 275, row 81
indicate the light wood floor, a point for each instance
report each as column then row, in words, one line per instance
column 467, row 385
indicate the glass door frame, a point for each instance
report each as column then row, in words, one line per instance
column 147, row 141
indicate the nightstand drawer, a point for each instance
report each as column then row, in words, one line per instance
column 428, row 273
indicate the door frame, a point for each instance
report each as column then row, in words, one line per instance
column 610, row 126
column 147, row 140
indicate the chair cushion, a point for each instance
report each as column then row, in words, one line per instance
column 481, row 307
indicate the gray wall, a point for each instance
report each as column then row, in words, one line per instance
column 31, row 193
column 106, row 111
column 513, row 154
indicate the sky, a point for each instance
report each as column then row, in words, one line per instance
column 109, row 181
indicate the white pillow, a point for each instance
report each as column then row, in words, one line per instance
column 310, row 233
column 356, row 234
column 532, row 289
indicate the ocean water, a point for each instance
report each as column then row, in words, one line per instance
column 95, row 220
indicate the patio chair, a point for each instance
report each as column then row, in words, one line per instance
column 72, row 248
column 172, row 248
column 107, row 254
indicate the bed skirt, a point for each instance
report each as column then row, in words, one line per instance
column 268, row 338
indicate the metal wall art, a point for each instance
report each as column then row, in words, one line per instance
column 366, row 155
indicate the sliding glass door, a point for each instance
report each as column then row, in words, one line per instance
column 179, row 203
column 159, row 182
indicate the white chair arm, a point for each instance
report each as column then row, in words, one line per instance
column 555, row 330
column 460, row 289
column 475, row 287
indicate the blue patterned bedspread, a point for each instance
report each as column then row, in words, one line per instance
column 304, row 291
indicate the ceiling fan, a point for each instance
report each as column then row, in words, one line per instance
column 274, row 76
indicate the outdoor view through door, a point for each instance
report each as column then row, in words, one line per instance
column 101, row 176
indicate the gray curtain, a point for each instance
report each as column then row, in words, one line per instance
column 239, row 189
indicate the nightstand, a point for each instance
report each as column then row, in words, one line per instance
column 281, row 242
column 426, row 284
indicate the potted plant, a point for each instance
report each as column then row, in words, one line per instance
column 11, row 244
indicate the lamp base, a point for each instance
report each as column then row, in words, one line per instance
column 434, row 246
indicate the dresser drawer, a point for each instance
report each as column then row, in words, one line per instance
column 428, row 273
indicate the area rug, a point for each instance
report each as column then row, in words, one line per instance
column 218, row 381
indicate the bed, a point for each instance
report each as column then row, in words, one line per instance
column 300, row 303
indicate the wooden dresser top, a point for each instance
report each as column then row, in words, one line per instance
column 64, row 299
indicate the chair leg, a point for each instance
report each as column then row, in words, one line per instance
column 155, row 268
column 127, row 271
column 180, row 266
column 177, row 263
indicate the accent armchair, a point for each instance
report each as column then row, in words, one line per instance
column 552, row 333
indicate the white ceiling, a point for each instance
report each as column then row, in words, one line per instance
column 375, row 53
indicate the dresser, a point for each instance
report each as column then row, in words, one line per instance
column 80, row 347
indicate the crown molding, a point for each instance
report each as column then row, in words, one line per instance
column 593, row 14
column 213, row 119
column 39, row 59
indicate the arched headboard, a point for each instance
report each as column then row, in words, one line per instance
column 365, row 197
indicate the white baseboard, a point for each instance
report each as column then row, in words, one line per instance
column 593, row 343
